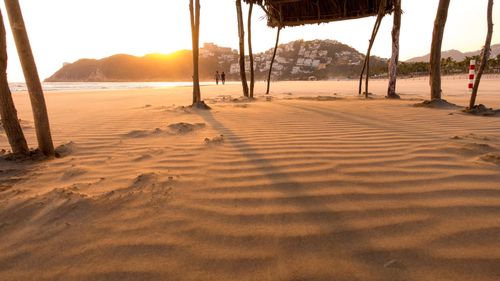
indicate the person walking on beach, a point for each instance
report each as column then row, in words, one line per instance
column 217, row 77
column 223, row 78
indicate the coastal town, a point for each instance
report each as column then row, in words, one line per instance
column 294, row 60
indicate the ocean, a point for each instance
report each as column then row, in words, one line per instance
column 82, row 86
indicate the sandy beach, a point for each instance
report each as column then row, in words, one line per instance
column 311, row 184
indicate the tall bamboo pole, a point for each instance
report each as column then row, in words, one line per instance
column 437, row 41
column 241, row 34
column 272, row 60
column 8, row 112
column 250, row 52
column 485, row 55
column 35, row 90
column 393, row 65
column 195, row 34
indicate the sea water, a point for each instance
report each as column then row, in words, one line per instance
column 82, row 86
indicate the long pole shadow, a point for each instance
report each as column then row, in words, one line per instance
column 288, row 187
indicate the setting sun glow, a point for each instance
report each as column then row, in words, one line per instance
column 65, row 31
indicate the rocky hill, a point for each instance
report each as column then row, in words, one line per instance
column 457, row 55
column 297, row 60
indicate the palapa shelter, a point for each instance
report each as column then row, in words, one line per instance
column 300, row 12
column 289, row 13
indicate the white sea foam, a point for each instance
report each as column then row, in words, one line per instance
column 79, row 86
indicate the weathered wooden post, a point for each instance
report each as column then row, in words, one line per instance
column 250, row 52
column 8, row 112
column 393, row 65
column 272, row 60
column 30, row 71
column 437, row 41
column 241, row 34
column 195, row 34
column 485, row 55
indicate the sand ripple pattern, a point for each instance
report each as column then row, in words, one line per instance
column 298, row 190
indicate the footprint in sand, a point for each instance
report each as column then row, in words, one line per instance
column 143, row 158
column 215, row 141
column 491, row 158
column 184, row 128
column 73, row 173
column 66, row 149
column 143, row 133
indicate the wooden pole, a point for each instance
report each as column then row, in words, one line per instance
column 485, row 55
column 195, row 33
column 272, row 60
column 41, row 118
column 360, row 90
column 437, row 41
column 250, row 52
column 8, row 112
column 393, row 65
column 368, row 54
column 241, row 34
column 366, row 65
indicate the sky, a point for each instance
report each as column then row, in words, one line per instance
column 67, row 30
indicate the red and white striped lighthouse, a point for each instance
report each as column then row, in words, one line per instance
column 472, row 74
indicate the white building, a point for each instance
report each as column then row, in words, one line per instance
column 289, row 47
column 302, row 50
column 235, row 68
column 316, row 63
column 278, row 67
column 206, row 53
column 281, row 59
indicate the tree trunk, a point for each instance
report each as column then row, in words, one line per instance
column 241, row 34
column 393, row 65
column 38, row 105
column 250, row 52
column 437, row 41
column 8, row 111
column 485, row 55
column 194, row 10
column 272, row 61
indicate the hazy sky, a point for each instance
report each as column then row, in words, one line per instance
column 66, row 30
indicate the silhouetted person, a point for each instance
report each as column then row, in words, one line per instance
column 223, row 78
column 217, row 77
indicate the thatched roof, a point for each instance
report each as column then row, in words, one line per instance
column 300, row 12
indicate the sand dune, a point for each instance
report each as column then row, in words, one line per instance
column 313, row 184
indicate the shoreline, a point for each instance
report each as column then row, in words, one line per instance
column 67, row 86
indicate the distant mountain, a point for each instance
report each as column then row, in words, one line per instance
column 457, row 55
column 321, row 59
column 153, row 67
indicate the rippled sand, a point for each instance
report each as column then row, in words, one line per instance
column 312, row 184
